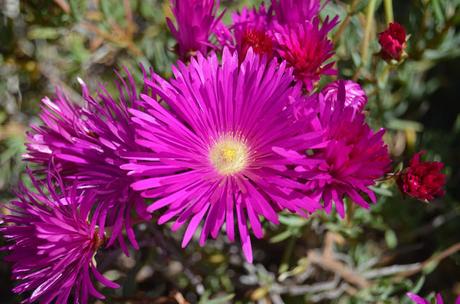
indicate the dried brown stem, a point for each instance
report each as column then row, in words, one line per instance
column 433, row 259
column 327, row 261
column 339, row 268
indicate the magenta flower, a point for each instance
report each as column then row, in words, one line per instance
column 251, row 29
column 196, row 21
column 86, row 144
column 353, row 158
column 212, row 153
column 306, row 47
column 354, row 95
column 295, row 11
column 52, row 245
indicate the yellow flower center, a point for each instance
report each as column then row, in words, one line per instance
column 229, row 156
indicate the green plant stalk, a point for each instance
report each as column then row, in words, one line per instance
column 388, row 4
column 344, row 24
column 367, row 31
column 284, row 266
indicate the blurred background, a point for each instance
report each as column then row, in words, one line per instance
column 373, row 256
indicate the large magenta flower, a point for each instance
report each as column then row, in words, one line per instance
column 307, row 48
column 85, row 144
column 52, row 245
column 196, row 20
column 353, row 158
column 212, row 138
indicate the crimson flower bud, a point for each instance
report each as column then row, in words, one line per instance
column 393, row 42
column 422, row 180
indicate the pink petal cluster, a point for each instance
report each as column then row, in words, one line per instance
column 196, row 20
column 251, row 29
column 52, row 245
column 353, row 158
column 306, row 47
column 85, row 145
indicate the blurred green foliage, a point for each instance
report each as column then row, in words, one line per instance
column 373, row 256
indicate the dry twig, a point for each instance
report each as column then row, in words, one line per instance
column 436, row 258
column 327, row 261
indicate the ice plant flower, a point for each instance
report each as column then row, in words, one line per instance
column 306, row 47
column 212, row 138
column 422, row 180
column 354, row 95
column 196, row 21
column 353, row 159
column 52, row 245
column 251, row 29
column 419, row 300
column 393, row 42
column 85, row 144
column 295, row 11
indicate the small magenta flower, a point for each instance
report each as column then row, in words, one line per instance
column 393, row 42
column 251, row 29
column 86, row 145
column 52, row 245
column 355, row 156
column 212, row 152
column 196, row 21
column 306, row 47
column 354, row 95
column 290, row 30
column 352, row 158
column 422, row 180
column 295, row 11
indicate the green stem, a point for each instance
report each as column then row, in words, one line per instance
column 383, row 77
column 284, row 266
column 367, row 31
column 388, row 10
column 344, row 24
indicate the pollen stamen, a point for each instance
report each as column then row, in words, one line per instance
column 229, row 156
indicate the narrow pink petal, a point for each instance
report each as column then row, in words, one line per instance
column 103, row 279
column 416, row 298
column 254, row 220
column 439, row 299
column 194, row 222
column 244, row 236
